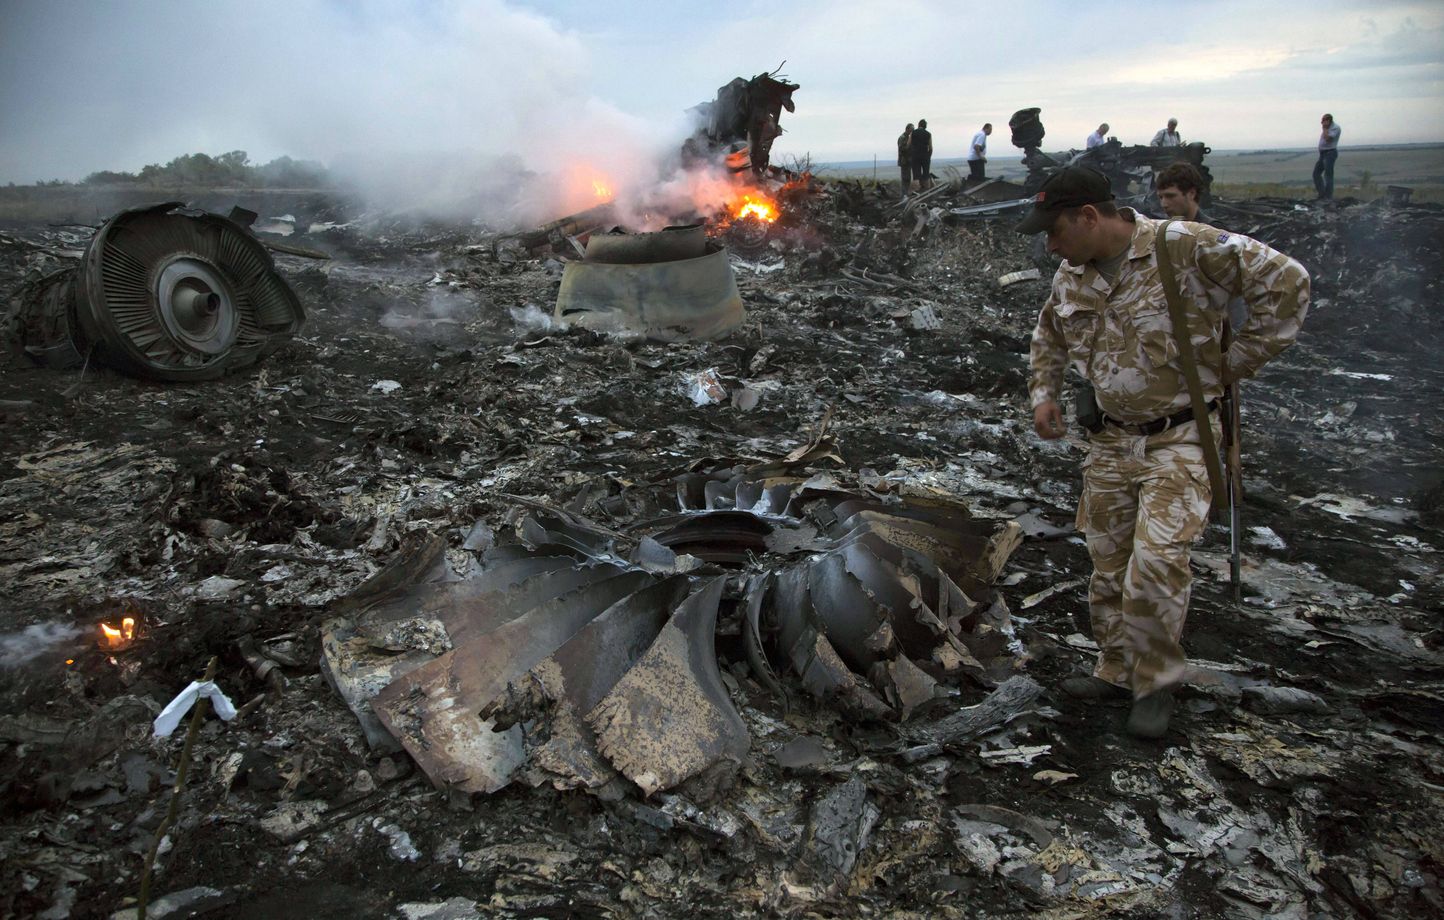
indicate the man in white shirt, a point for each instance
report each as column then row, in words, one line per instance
column 978, row 155
column 1097, row 138
column 1167, row 137
column 1328, row 153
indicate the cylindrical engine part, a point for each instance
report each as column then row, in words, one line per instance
column 670, row 244
column 166, row 293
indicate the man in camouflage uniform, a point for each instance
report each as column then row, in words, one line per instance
column 1146, row 493
column 905, row 158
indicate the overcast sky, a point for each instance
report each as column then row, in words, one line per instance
column 106, row 84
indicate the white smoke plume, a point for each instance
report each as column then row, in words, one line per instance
column 440, row 108
column 18, row 648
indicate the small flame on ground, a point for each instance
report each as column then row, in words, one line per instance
column 113, row 637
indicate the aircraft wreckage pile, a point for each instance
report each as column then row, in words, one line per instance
column 591, row 665
column 767, row 622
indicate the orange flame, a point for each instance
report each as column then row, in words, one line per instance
column 602, row 190
column 118, row 638
column 756, row 207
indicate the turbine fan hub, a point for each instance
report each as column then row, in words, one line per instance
column 197, row 305
column 164, row 292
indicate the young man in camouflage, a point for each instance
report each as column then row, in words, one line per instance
column 1145, row 487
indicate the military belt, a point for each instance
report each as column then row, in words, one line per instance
column 1181, row 417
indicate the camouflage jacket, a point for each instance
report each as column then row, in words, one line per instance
column 1119, row 336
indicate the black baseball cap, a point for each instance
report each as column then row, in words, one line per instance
column 1069, row 187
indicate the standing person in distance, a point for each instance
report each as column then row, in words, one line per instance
column 1097, row 138
column 922, row 155
column 978, row 155
column 1328, row 154
column 1167, row 137
column 1178, row 186
column 905, row 158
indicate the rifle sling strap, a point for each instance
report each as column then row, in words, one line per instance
column 1178, row 315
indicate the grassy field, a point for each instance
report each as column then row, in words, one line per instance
column 1361, row 172
column 1411, row 166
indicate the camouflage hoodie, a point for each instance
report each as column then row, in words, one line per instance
column 1119, row 335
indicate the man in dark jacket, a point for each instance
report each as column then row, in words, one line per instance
column 923, row 155
column 1178, row 186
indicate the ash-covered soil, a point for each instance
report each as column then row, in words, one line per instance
column 429, row 393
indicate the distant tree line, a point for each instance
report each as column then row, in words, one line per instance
column 227, row 169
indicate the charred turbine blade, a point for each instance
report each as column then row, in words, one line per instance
column 421, row 563
column 563, row 688
column 854, row 624
column 917, row 595
column 972, row 559
column 790, row 607
column 905, row 684
column 477, row 606
column 813, row 658
column 827, row 677
column 757, row 587
column 669, row 718
column 719, row 536
column 357, row 673
column 747, row 496
column 434, row 710
column 543, row 528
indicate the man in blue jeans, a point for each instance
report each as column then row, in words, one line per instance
column 1328, row 153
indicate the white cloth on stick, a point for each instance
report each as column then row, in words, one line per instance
column 170, row 716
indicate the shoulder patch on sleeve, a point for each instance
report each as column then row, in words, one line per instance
column 1223, row 237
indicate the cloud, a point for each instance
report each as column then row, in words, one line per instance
column 410, row 92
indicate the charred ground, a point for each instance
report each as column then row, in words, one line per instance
column 246, row 507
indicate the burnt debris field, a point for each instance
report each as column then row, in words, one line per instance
column 385, row 528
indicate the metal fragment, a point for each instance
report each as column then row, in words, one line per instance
column 560, row 690
column 434, row 709
column 838, row 829
column 689, row 298
column 670, row 717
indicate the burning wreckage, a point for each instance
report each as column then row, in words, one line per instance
column 1131, row 169
column 652, row 646
column 676, row 282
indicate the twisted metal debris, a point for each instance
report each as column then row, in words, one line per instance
column 587, row 669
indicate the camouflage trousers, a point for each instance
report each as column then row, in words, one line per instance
column 1145, row 500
